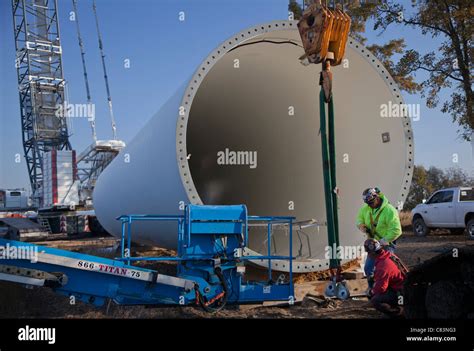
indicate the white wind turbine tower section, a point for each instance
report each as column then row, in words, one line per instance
column 245, row 105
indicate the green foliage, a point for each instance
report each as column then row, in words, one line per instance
column 360, row 13
column 451, row 64
column 294, row 7
column 402, row 76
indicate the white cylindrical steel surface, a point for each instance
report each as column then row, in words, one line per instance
column 252, row 94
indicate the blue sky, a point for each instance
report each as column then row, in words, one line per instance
column 163, row 53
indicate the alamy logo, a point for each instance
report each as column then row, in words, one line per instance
column 347, row 252
column 37, row 334
column 76, row 111
column 400, row 110
column 26, row 252
column 228, row 157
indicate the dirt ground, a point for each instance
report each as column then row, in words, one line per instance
column 19, row 302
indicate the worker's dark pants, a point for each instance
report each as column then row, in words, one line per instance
column 387, row 303
column 370, row 265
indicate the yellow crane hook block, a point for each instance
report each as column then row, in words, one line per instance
column 324, row 33
column 339, row 34
column 315, row 30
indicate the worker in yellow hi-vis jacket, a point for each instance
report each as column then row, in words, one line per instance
column 379, row 220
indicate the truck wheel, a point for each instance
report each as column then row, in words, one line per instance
column 470, row 228
column 419, row 227
column 457, row 231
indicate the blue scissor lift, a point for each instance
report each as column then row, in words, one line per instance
column 210, row 264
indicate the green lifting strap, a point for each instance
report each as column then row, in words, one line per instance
column 328, row 150
column 332, row 155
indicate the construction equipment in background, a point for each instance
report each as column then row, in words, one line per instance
column 60, row 183
column 45, row 110
column 104, row 69
column 14, row 200
column 97, row 156
column 91, row 162
column 84, row 68
column 324, row 34
column 41, row 85
column 21, row 228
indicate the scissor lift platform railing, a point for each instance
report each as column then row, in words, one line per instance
column 210, row 261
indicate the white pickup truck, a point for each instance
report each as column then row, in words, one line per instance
column 451, row 208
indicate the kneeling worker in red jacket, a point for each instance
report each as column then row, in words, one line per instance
column 389, row 276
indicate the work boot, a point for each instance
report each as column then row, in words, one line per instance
column 399, row 314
